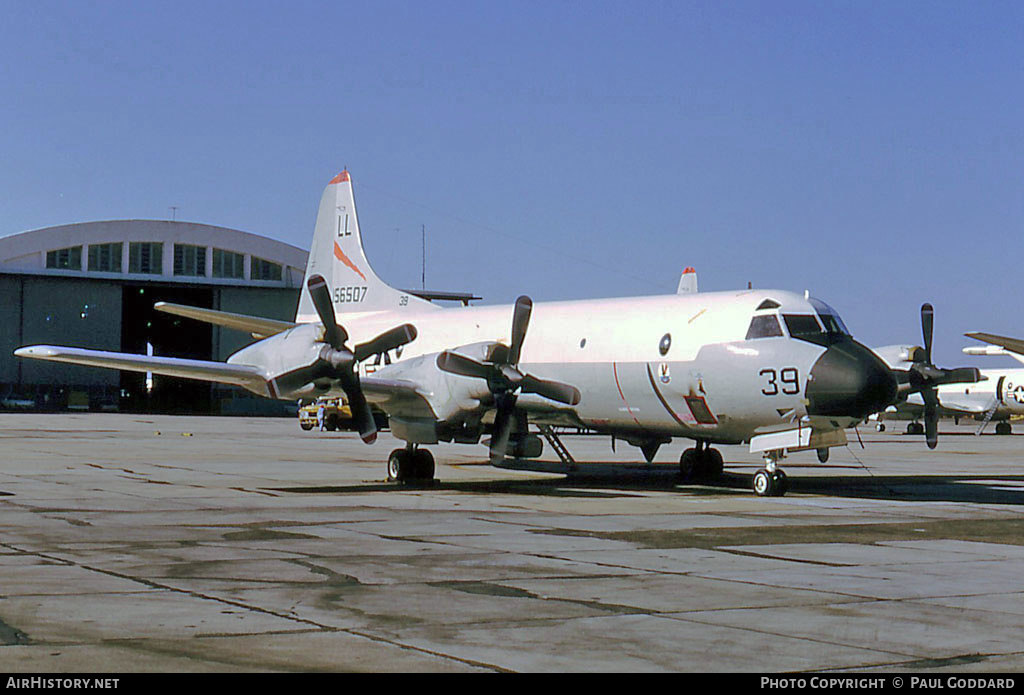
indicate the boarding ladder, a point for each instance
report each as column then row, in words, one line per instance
column 549, row 434
column 988, row 415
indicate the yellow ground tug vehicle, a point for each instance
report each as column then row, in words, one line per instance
column 336, row 414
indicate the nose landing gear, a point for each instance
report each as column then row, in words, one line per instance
column 771, row 481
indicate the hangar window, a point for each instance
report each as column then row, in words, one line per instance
column 265, row 270
column 227, row 264
column 105, row 258
column 189, row 260
column 65, row 259
column 146, row 257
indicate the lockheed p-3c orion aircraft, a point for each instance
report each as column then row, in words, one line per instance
column 770, row 367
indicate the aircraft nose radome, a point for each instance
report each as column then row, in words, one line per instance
column 850, row 380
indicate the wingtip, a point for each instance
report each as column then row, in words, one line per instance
column 34, row 351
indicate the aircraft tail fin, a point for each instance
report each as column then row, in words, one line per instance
column 687, row 281
column 337, row 254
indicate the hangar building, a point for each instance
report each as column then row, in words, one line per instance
column 93, row 285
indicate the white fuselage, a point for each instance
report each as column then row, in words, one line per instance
column 703, row 379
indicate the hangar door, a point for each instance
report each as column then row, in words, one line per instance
column 143, row 329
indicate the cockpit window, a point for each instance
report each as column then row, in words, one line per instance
column 766, row 326
column 833, row 324
column 829, row 317
column 806, row 327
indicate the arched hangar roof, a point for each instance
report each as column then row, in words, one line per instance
column 154, row 250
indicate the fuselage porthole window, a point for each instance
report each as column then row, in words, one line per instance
column 665, row 344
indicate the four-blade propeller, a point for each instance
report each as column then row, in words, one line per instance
column 925, row 377
column 504, row 379
column 341, row 362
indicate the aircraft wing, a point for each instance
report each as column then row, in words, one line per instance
column 259, row 327
column 1011, row 344
column 246, row 376
column 397, row 397
column 966, row 406
column 949, row 404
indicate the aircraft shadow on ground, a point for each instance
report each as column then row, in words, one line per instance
column 610, row 480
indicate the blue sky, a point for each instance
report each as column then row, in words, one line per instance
column 870, row 152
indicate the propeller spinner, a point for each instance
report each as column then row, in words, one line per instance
column 341, row 361
column 504, row 379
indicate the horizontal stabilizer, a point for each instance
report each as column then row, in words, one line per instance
column 246, row 376
column 258, row 326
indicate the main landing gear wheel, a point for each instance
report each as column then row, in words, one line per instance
column 1003, row 427
column 701, row 463
column 771, row 484
column 915, row 428
column 410, row 465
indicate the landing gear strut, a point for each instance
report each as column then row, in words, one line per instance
column 771, row 481
column 700, row 463
column 410, row 464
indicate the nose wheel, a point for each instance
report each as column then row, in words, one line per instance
column 771, row 481
column 771, row 484
column 410, row 464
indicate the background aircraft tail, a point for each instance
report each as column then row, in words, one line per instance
column 337, row 254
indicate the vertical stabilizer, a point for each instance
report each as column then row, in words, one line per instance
column 337, row 254
column 687, row 282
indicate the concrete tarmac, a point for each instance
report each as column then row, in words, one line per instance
column 159, row 543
